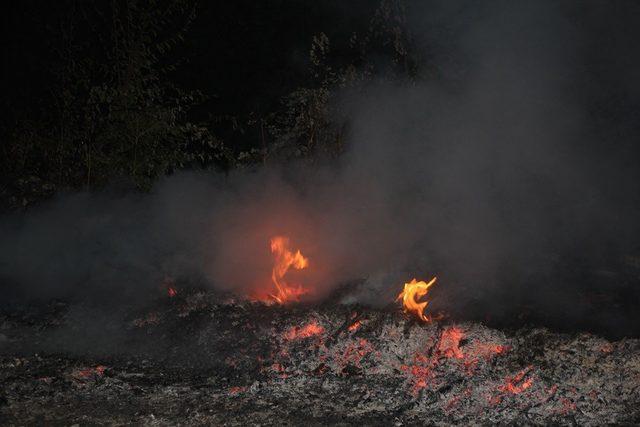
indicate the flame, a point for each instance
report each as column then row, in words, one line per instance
column 284, row 259
column 413, row 291
column 171, row 292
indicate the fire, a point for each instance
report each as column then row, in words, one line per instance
column 284, row 259
column 517, row 384
column 354, row 353
column 410, row 295
column 236, row 390
column 169, row 285
column 450, row 343
column 306, row 331
column 89, row 373
column 355, row 326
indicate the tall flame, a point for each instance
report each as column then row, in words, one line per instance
column 410, row 295
column 284, row 259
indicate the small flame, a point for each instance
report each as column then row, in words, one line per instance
column 171, row 292
column 284, row 259
column 410, row 295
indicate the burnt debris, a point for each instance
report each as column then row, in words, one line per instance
column 196, row 359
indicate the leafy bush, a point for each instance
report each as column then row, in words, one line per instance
column 113, row 112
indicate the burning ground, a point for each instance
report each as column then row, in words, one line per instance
column 195, row 357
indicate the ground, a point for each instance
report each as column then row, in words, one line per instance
column 196, row 359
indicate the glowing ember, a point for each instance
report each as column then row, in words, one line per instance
column 89, row 373
column 489, row 350
column 284, row 259
column 355, row 352
column 450, row 343
column 306, row 331
column 410, row 295
column 455, row 400
column 98, row 370
column 446, row 349
column 170, row 285
column 420, row 372
column 355, row 326
column 607, row 348
column 515, row 384
column 280, row 370
column 236, row 390
column 568, row 406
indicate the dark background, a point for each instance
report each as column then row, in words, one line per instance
column 242, row 54
column 243, row 57
column 237, row 59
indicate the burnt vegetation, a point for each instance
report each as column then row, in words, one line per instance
column 202, row 358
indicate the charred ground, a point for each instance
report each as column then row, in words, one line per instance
column 197, row 358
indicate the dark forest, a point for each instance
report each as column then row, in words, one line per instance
column 98, row 93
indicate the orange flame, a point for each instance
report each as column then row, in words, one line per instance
column 413, row 291
column 284, row 260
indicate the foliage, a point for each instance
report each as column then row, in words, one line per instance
column 114, row 113
column 308, row 121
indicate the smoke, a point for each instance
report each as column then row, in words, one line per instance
column 495, row 171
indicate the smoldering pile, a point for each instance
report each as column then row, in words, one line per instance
column 192, row 359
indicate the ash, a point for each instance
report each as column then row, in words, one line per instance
column 193, row 359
